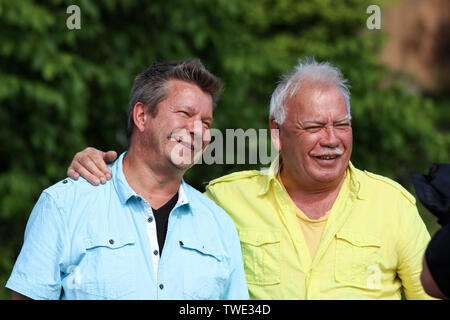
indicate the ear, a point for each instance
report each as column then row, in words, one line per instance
column 275, row 133
column 140, row 116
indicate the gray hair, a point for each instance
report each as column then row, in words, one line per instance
column 306, row 69
column 150, row 86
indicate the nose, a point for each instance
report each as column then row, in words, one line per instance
column 198, row 132
column 330, row 138
column 195, row 127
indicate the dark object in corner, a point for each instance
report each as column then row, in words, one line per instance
column 433, row 190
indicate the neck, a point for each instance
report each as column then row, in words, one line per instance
column 157, row 184
column 310, row 189
column 314, row 200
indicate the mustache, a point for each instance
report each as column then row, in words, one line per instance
column 330, row 152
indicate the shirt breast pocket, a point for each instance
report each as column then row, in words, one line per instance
column 357, row 261
column 107, row 269
column 205, row 271
column 261, row 251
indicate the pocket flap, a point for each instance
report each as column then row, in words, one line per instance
column 359, row 239
column 112, row 241
column 202, row 248
column 259, row 237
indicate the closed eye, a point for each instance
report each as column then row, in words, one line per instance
column 207, row 125
column 313, row 128
column 343, row 125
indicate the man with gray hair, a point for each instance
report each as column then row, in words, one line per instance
column 314, row 226
column 87, row 242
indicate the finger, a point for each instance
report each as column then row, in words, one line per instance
column 82, row 171
column 97, row 158
column 72, row 174
column 96, row 166
column 92, row 159
column 87, row 168
column 109, row 156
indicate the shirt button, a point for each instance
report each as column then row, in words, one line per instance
column 155, row 252
column 111, row 241
column 64, row 181
column 161, row 286
column 150, row 219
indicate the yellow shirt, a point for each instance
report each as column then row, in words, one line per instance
column 313, row 228
column 372, row 245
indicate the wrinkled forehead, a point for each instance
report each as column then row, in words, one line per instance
column 323, row 121
column 317, row 102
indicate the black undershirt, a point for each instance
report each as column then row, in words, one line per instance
column 162, row 220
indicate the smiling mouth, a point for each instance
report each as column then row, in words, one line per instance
column 184, row 144
column 327, row 157
column 193, row 147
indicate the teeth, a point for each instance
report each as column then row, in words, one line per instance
column 186, row 145
column 327, row 157
column 180, row 141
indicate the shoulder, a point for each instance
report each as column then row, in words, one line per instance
column 68, row 184
column 205, row 207
column 68, row 193
column 235, row 177
column 384, row 185
column 197, row 197
column 237, row 182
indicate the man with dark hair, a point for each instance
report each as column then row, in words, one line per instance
column 144, row 234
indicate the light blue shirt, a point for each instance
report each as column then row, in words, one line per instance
column 87, row 242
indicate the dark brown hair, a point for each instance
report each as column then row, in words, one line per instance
column 150, row 86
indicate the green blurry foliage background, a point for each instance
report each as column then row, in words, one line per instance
column 62, row 90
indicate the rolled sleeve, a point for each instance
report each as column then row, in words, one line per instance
column 37, row 271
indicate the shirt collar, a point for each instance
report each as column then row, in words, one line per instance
column 271, row 173
column 356, row 187
column 182, row 197
column 125, row 192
